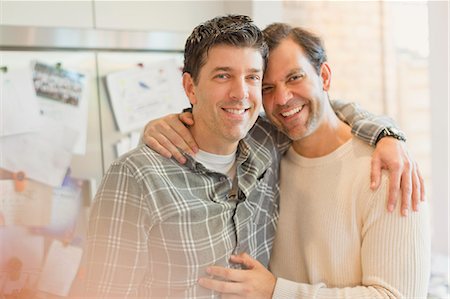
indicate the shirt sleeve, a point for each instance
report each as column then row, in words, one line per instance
column 395, row 257
column 116, row 256
column 364, row 124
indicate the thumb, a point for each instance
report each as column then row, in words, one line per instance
column 186, row 118
column 245, row 260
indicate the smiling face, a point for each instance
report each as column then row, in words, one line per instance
column 294, row 95
column 227, row 97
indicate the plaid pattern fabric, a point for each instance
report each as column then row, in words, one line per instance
column 365, row 125
column 156, row 225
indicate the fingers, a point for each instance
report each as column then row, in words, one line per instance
column 182, row 138
column 394, row 187
column 219, row 286
column 154, row 144
column 256, row 282
column 422, row 184
column 165, row 147
column 226, row 273
column 244, row 259
column 169, row 137
column 415, row 188
column 375, row 173
column 406, row 185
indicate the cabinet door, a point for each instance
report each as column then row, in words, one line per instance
column 75, row 14
column 181, row 16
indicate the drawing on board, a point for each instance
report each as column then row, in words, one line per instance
column 143, row 93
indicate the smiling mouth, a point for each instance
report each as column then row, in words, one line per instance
column 236, row 111
column 292, row 111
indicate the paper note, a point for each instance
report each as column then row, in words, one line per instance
column 66, row 208
column 127, row 143
column 19, row 105
column 60, row 268
column 143, row 93
column 44, row 156
column 63, row 97
column 32, row 207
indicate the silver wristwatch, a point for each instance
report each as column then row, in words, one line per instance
column 392, row 132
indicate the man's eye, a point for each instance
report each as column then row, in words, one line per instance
column 296, row 77
column 254, row 77
column 267, row 89
column 221, row 76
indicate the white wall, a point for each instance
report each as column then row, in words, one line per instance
column 439, row 91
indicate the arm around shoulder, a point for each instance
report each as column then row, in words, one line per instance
column 364, row 124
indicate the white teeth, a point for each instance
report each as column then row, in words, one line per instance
column 235, row 111
column 292, row 112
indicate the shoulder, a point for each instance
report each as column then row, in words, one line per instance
column 361, row 149
column 141, row 160
column 355, row 158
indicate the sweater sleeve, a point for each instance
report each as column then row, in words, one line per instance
column 395, row 257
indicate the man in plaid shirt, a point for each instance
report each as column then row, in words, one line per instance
column 155, row 224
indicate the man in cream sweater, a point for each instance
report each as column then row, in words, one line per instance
column 334, row 237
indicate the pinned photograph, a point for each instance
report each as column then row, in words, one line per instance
column 55, row 83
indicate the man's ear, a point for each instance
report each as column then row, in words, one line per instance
column 189, row 88
column 325, row 74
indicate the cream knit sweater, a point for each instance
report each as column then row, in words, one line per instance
column 335, row 238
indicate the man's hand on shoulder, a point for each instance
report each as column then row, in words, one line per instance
column 170, row 137
column 404, row 174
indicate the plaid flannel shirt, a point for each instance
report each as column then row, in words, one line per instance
column 156, row 225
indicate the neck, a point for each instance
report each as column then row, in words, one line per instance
column 213, row 144
column 330, row 135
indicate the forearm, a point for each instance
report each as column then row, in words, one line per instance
column 364, row 124
column 290, row 289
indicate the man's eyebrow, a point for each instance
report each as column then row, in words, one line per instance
column 254, row 70
column 221, row 68
column 294, row 71
column 228, row 69
column 288, row 74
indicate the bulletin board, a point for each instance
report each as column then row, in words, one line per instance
column 67, row 112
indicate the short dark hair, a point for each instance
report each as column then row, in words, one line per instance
column 233, row 30
column 310, row 43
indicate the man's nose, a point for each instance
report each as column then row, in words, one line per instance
column 282, row 95
column 239, row 90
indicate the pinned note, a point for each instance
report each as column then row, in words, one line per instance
column 60, row 268
column 31, row 207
